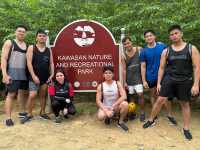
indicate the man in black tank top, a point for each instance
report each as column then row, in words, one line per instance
column 41, row 69
column 179, row 72
column 13, row 65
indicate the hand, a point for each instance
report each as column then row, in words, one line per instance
column 114, row 106
column 49, row 80
column 109, row 113
column 36, row 80
column 145, row 84
column 158, row 88
column 195, row 90
column 6, row 79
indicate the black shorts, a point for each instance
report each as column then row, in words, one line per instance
column 179, row 89
column 17, row 85
column 152, row 84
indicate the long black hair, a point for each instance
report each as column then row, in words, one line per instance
column 61, row 70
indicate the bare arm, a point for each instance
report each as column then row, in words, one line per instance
column 51, row 66
column 161, row 69
column 143, row 71
column 122, row 94
column 124, row 71
column 196, row 65
column 99, row 98
column 143, row 74
column 196, row 68
column 4, row 59
column 162, row 66
column 29, row 58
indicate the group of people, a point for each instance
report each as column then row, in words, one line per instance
column 168, row 71
column 27, row 71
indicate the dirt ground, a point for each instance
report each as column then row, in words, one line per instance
column 84, row 132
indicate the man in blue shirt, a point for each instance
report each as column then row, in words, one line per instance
column 150, row 62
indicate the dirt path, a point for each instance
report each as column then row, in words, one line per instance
column 84, row 132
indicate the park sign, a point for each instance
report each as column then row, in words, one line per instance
column 82, row 48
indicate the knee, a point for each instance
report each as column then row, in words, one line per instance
column 11, row 95
column 101, row 116
column 185, row 104
column 161, row 100
column 140, row 95
column 32, row 95
column 124, row 105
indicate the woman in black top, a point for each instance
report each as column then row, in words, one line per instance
column 61, row 93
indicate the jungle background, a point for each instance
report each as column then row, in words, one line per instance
column 83, row 131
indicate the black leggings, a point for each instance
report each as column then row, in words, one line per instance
column 57, row 106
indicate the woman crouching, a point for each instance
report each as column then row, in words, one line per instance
column 61, row 93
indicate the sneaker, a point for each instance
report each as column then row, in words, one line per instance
column 155, row 118
column 132, row 116
column 142, row 117
column 44, row 116
column 9, row 122
column 66, row 116
column 26, row 119
column 22, row 114
column 125, row 119
column 187, row 134
column 58, row 119
column 107, row 121
column 122, row 126
column 172, row 120
column 148, row 124
column 115, row 117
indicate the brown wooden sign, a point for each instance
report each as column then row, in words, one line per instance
column 82, row 48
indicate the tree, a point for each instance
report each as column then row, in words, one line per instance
column 134, row 15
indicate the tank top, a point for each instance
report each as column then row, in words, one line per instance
column 133, row 73
column 41, row 63
column 17, row 68
column 179, row 64
column 110, row 93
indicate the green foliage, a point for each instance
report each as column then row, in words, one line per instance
column 134, row 15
